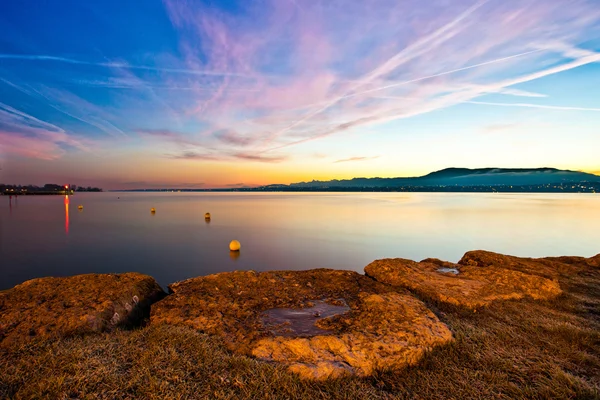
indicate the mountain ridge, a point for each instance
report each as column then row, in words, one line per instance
column 457, row 177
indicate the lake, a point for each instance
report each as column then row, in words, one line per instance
column 116, row 232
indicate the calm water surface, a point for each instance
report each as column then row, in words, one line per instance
column 115, row 232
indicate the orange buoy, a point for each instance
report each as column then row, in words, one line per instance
column 234, row 245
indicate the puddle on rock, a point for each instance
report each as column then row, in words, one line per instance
column 301, row 321
column 448, row 270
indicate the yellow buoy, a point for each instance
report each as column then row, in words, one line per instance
column 153, row 210
column 234, row 245
column 207, row 215
column 80, row 207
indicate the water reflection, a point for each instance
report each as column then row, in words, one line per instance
column 301, row 322
column 283, row 231
column 234, row 255
column 67, row 214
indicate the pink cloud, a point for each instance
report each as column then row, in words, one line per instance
column 351, row 159
column 296, row 71
column 167, row 134
column 31, row 147
column 277, row 73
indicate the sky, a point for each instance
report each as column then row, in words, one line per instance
column 202, row 94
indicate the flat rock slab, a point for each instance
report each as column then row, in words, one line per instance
column 549, row 267
column 59, row 307
column 320, row 323
column 462, row 285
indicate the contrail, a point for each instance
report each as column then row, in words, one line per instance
column 34, row 57
column 414, row 50
column 529, row 105
column 452, row 100
column 329, row 104
column 445, row 73
column 13, row 111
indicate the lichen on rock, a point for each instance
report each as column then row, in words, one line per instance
column 473, row 286
column 382, row 328
column 60, row 307
column 548, row 267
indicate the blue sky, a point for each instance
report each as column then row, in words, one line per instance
column 222, row 93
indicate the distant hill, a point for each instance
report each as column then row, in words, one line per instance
column 456, row 177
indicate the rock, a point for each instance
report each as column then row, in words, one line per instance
column 60, row 307
column 358, row 325
column 471, row 287
column 550, row 267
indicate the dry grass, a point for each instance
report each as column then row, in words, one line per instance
column 511, row 350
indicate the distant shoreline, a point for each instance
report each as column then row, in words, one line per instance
column 37, row 194
column 577, row 188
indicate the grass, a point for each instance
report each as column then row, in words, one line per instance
column 510, row 350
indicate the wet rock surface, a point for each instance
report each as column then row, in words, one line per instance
column 464, row 284
column 59, row 307
column 302, row 321
column 319, row 323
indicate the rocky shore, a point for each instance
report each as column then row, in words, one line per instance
column 62, row 307
column 319, row 324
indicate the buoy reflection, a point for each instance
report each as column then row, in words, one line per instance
column 234, row 255
column 67, row 214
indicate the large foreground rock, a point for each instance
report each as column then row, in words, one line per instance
column 54, row 307
column 467, row 285
column 320, row 323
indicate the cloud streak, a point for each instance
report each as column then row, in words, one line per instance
column 25, row 135
column 114, row 64
column 222, row 156
column 451, row 55
column 352, row 159
column 254, row 82
column 528, row 105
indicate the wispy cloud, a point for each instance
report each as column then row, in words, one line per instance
column 28, row 136
column 529, row 105
column 113, row 64
column 251, row 84
column 168, row 135
column 222, row 156
column 194, row 155
column 336, row 79
column 352, row 159
column 70, row 105
column 233, row 138
column 260, row 158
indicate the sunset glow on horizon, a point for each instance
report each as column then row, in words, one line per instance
column 224, row 94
